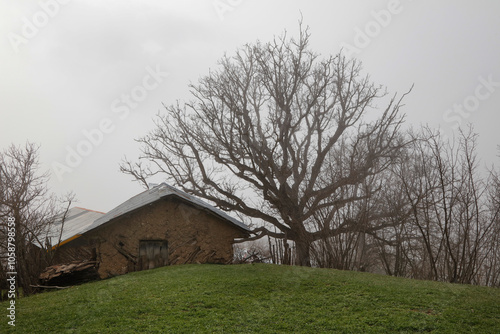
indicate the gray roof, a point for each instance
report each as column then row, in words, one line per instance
column 154, row 194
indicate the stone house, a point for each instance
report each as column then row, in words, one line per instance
column 160, row 226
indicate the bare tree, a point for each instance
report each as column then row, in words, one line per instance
column 262, row 133
column 490, row 269
column 25, row 199
column 452, row 227
column 418, row 177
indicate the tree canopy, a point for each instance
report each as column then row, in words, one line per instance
column 279, row 134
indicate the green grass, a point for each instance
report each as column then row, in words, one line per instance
column 258, row 299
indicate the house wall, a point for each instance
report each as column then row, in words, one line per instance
column 193, row 235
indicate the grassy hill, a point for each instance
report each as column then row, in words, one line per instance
column 260, row 299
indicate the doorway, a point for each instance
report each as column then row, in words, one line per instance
column 152, row 254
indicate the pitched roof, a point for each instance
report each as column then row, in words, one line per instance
column 163, row 190
column 79, row 221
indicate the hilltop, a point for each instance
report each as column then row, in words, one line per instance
column 259, row 298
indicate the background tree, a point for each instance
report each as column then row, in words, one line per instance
column 277, row 134
column 490, row 272
column 24, row 196
column 450, row 228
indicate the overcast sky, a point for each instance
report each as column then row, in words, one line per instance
column 84, row 78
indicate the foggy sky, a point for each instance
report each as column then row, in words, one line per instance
column 80, row 72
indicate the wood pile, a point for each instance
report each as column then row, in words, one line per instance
column 73, row 273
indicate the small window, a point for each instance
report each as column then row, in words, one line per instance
column 152, row 254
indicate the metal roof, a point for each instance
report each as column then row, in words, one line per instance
column 154, row 194
column 77, row 220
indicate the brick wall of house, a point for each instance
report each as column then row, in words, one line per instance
column 193, row 236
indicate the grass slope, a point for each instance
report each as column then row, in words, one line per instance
column 259, row 299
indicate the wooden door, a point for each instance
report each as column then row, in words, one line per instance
column 152, row 254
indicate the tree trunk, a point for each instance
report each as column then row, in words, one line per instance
column 302, row 253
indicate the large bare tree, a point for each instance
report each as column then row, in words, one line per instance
column 277, row 134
